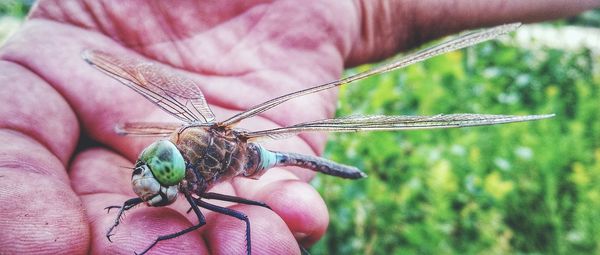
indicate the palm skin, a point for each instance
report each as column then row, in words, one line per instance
column 56, row 181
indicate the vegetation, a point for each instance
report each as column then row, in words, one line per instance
column 15, row 8
column 516, row 188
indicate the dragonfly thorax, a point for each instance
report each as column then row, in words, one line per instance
column 157, row 173
column 212, row 155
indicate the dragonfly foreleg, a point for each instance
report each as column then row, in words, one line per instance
column 126, row 206
column 232, row 213
column 222, row 197
column 201, row 222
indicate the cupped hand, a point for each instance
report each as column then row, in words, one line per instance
column 61, row 163
column 69, row 164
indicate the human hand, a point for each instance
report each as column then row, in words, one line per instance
column 236, row 55
column 62, row 161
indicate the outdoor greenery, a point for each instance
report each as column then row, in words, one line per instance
column 15, row 8
column 516, row 188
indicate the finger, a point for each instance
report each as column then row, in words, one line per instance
column 98, row 170
column 100, row 181
column 101, row 171
column 300, row 206
column 139, row 228
column 296, row 202
column 269, row 234
column 31, row 106
column 39, row 212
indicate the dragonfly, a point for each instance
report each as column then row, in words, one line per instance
column 199, row 152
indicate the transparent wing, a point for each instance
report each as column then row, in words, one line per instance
column 460, row 42
column 372, row 123
column 147, row 128
column 174, row 93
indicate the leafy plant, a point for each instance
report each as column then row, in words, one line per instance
column 517, row 188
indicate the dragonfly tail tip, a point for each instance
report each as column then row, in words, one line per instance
column 544, row 116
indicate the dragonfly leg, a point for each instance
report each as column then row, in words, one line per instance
column 201, row 222
column 232, row 213
column 126, row 206
column 223, row 197
column 239, row 200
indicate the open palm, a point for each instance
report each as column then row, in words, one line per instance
column 239, row 55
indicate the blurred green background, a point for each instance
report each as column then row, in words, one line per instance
column 524, row 188
column 527, row 188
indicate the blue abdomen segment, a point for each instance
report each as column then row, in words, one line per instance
column 269, row 159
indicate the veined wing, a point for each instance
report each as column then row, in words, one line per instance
column 147, row 128
column 460, row 42
column 174, row 93
column 382, row 122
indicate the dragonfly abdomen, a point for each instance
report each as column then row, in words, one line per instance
column 269, row 159
column 317, row 164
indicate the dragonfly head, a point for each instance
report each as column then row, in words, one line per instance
column 157, row 173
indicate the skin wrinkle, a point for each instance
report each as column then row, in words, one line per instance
column 244, row 38
column 28, row 158
column 313, row 145
column 106, row 28
column 173, row 37
column 93, row 17
column 141, row 44
column 224, row 105
column 28, row 133
column 229, row 106
column 381, row 38
column 15, row 164
column 37, row 136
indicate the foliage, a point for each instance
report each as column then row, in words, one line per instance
column 15, row 8
column 517, row 188
column 590, row 18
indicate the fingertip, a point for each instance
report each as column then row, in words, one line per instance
column 269, row 233
column 300, row 206
column 40, row 214
column 100, row 171
column 139, row 228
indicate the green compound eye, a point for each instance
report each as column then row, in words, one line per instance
column 165, row 162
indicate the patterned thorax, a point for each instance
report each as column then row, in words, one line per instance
column 211, row 156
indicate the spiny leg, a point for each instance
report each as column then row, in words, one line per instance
column 126, row 206
column 201, row 222
column 223, row 197
column 232, row 213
